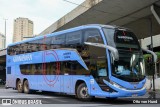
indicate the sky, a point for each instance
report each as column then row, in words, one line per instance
column 43, row 13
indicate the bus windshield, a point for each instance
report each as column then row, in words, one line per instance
column 130, row 66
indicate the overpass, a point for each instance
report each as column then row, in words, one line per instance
column 133, row 14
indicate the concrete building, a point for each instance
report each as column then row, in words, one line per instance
column 2, row 41
column 147, row 41
column 23, row 27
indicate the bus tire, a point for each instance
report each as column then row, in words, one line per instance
column 82, row 92
column 26, row 87
column 19, row 86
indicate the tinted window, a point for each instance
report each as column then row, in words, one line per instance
column 74, row 37
column 73, row 68
column 60, row 39
column 121, row 39
column 58, row 42
column 126, row 39
column 39, row 69
column 109, row 33
column 45, row 43
column 92, row 35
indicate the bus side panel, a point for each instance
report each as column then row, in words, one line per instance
column 48, row 83
column 67, row 86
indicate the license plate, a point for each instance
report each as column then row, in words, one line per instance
column 134, row 95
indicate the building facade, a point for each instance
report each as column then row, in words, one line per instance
column 2, row 41
column 147, row 41
column 23, row 27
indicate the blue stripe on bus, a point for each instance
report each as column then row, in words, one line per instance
column 47, row 56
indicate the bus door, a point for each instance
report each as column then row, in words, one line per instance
column 98, row 66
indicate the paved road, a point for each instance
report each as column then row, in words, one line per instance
column 157, row 83
column 66, row 100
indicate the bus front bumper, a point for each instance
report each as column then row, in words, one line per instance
column 128, row 93
column 122, row 92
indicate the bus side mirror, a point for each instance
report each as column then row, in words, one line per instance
column 113, row 50
column 152, row 53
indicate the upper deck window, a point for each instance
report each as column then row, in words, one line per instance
column 92, row 35
column 74, row 37
column 121, row 39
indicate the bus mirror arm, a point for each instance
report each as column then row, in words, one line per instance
column 113, row 50
column 152, row 53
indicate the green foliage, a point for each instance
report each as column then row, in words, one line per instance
column 146, row 56
column 150, row 67
column 158, row 55
column 149, row 55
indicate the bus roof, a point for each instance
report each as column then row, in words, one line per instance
column 66, row 31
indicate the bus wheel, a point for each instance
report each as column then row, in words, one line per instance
column 19, row 86
column 26, row 87
column 82, row 93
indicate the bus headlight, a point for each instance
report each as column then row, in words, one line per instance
column 116, row 85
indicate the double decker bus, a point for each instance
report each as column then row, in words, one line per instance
column 85, row 61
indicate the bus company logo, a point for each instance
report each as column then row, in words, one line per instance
column 51, row 54
column 20, row 58
column 6, row 102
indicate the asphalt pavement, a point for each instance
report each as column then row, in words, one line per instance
column 62, row 100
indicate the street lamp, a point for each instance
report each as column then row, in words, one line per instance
column 5, row 33
column 153, row 74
